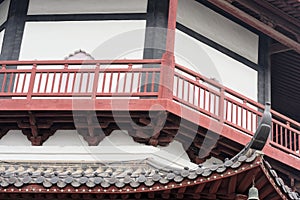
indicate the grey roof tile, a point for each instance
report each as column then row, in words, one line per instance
column 132, row 173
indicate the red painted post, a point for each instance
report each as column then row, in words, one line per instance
column 95, row 84
column 167, row 76
column 31, row 83
column 168, row 59
column 171, row 26
column 221, row 105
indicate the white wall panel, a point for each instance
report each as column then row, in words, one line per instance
column 4, row 6
column 69, row 145
column 41, row 7
column 214, row 26
column 102, row 39
column 211, row 63
column 1, row 39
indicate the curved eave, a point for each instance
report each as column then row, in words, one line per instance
column 223, row 181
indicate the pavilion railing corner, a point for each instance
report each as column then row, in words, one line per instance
column 211, row 98
column 152, row 78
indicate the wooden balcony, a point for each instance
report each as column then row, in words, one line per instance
column 155, row 100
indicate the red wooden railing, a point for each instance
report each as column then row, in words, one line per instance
column 210, row 97
column 78, row 78
column 142, row 78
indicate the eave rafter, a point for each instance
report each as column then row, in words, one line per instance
column 264, row 27
column 269, row 15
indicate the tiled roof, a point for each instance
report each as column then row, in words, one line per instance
column 279, row 182
column 118, row 175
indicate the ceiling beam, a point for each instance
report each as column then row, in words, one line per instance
column 270, row 17
column 226, row 6
column 278, row 48
column 278, row 12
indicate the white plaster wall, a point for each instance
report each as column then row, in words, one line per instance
column 102, row 39
column 1, row 39
column 70, row 146
column 218, row 28
column 211, row 63
column 4, row 6
column 41, row 7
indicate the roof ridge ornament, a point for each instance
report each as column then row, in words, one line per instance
column 80, row 55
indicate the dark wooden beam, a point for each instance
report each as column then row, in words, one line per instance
column 264, row 72
column 273, row 18
column 227, row 7
column 261, row 181
column 264, row 192
column 278, row 48
column 279, row 12
column 156, row 26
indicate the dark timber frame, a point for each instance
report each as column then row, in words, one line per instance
column 14, row 28
column 264, row 70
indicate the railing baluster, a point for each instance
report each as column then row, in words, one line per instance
column 40, row 82
column 80, row 81
column 194, row 91
column 67, row 82
column 53, row 81
column 23, row 84
column 60, row 82
column 10, row 82
column 110, row 82
column 294, row 142
column 177, row 89
column 139, row 82
column 146, row 82
column 153, row 81
column 4, row 82
column 46, row 84
column 74, row 80
column 88, row 82
column 17, row 82
column 221, row 105
column 118, row 82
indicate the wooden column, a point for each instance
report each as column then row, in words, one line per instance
column 264, row 71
